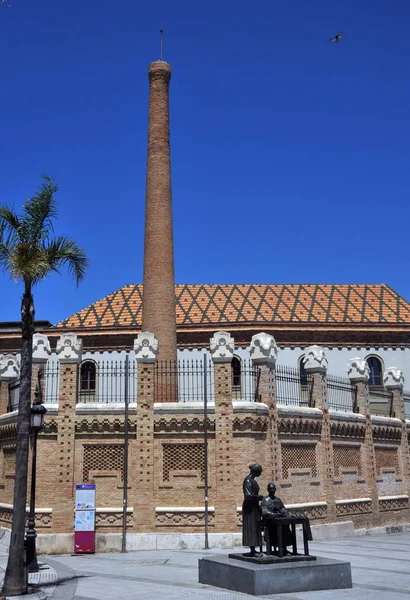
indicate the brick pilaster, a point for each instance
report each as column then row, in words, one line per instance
column 369, row 458
column 362, row 395
column 316, row 368
column 225, row 494
column 263, row 353
column 358, row 373
column 64, row 506
column 144, row 463
column 69, row 352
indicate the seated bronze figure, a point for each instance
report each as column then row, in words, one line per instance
column 281, row 535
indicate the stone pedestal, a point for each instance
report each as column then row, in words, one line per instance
column 280, row 578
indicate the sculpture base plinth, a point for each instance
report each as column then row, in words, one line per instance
column 279, row 577
column 266, row 559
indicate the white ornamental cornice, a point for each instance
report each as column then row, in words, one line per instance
column 146, row 347
column 393, row 378
column 222, row 347
column 69, row 348
column 41, row 348
column 315, row 359
column 9, row 367
column 358, row 369
column 263, row 349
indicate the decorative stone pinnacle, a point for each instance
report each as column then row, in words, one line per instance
column 69, row 348
column 41, row 348
column 393, row 378
column 358, row 369
column 9, row 367
column 263, row 349
column 222, row 347
column 146, row 347
column 315, row 359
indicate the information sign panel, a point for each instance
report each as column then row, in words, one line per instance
column 84, row 523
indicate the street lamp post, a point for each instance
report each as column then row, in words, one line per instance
column 38, row 410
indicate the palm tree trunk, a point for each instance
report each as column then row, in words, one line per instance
column 15, row 582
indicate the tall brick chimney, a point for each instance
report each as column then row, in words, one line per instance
column 158, row 307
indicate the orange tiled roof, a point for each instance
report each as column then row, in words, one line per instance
column 231, row 304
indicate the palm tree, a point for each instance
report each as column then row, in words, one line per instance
column 29, row 251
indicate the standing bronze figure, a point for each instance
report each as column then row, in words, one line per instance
column 251, row 527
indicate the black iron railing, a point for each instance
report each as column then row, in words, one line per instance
column 108, row 386
column 292, row 387
column 341, row 394
column 183, row 380
column 50, row 381
column 246, row 383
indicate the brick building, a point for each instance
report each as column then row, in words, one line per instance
column 305, row 379
column 331, row 431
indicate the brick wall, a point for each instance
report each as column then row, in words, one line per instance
column 339, row 466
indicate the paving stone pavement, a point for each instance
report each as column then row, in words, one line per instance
column 380, row 567
column 45, row 580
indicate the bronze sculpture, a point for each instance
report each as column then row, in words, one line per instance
column 251, row 527
column 272, row 509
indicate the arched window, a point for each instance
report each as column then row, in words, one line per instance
column 376, row 371
column 236, row 373
column 88, row 377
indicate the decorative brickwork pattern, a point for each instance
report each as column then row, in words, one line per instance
column 6, row 515
column 111, row 519
column 216, row 304
column 344, row 509
column 387, row 458
column 104, row 426
column 388, row 434
column 103, row 457
column 183, row 519
column 182, row 425
column 345, row 430
column 345, row 458
column 298, row 456
column 183, row 457
column 387, row 504
column 299, row 426
column 8, row 435
column 250, row 424
column 44, row 520
column 314, row 512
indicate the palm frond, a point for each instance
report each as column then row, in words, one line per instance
column 9, row 220
column 28, row 250
column 40, row 210
column 63, row 251
column 4, row 257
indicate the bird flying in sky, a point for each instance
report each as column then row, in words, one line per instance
column 337, row 37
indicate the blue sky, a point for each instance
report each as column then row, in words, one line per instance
column 290, row 155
